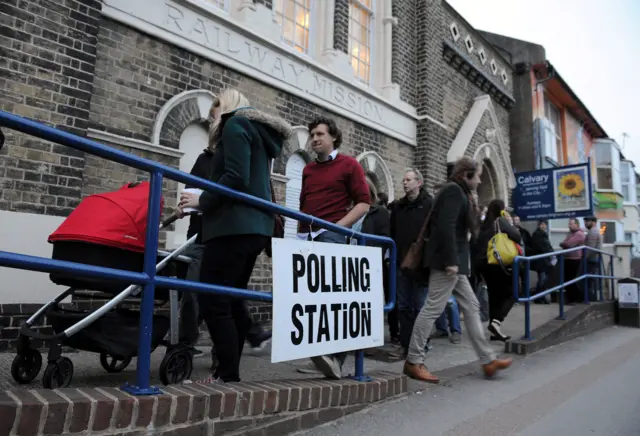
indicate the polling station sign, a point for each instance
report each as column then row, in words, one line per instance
column 327, row 298
column 553, row 193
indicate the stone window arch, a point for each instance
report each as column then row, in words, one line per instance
column 295, row 159
column 182, row 124
column 180, row 111
column 377, row 170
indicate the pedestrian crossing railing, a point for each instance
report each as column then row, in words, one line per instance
column 148, row 277
column 522, row 264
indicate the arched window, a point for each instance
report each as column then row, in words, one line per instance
column 378, row 172
column 296, row 162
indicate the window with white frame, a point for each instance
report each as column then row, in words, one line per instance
column 628, row 182
column 553, row 138
column 609, row 231
column 218, row 3
column 294, row 17
column 360, row 38
column 607, row 159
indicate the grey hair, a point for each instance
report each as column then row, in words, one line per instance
column 416, row 172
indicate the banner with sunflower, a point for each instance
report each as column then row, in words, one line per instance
column 554, row 193
column 571, row 189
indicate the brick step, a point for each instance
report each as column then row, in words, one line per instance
column 264, row 408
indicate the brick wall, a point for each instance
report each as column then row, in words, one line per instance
column 341, row 26
column 444, row 93
column 47, row 57
column 404, row 49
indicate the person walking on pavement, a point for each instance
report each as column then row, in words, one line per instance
column 498, row 278
column 334, row 188
column 526, row 246
column 407, row 216
column 593, row 240
column 446, row 254
column 540, row 244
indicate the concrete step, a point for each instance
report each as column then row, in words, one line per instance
column 581, row 320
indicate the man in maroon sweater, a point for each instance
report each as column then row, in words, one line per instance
column 334, row 188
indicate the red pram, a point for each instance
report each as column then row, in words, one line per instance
column 106, row 230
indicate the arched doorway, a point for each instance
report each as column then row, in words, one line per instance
column 193, row 141
column 494, row 179
column 488, row 189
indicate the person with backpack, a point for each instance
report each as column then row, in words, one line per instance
column 498, row 277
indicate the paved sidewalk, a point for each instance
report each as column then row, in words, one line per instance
column 88, row 371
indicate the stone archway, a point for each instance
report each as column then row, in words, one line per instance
column 178, row 113
column 494, row 180
column 182, row 124
column 377, row 170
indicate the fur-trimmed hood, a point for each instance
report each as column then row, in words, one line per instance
column 274, row 130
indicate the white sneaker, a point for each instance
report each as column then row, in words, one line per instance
column 329, row 366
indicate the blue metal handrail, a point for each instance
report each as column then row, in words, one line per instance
column 584, row 277
column 148, row 276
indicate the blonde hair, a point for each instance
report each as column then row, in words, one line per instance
column 373, row 191
column 228, row 101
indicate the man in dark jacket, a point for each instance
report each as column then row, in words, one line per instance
column 407, row 217
column 446, row 254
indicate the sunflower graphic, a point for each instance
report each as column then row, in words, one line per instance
column 571, row 185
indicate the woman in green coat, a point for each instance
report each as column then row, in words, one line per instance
column 244, row 142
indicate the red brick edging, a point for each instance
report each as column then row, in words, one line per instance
column 265, row 407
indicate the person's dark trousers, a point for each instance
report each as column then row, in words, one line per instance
column 228, row 261
column 333, row 238
column 593, row 267
column 500, row 290
column 189, row 310
column 573, row 293
column 392, row 316
column 541, row 286
column 411, row 297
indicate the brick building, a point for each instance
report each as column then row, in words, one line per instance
column 409, row 82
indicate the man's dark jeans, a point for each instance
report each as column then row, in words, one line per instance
column 228, row 261
column 411, row 298
column 593, row 267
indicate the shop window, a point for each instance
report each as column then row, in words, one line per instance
column 218, row 3
column 627, row 180
column 360, row 36
column 608, row 230
column 607, row 159
column 553, row 133
column 294, row 19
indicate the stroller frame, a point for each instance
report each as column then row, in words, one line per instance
column 176, row 365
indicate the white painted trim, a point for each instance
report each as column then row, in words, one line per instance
column 279, row 178
column 385, row 170
column 112, row 138
column 434, row 121
column 469, row 127
column 205, row 100
column 301, row 133
column 151, row 20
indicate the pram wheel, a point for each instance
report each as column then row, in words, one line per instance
column 114, row 364
column 176, row 366
column 26, row 366
column 58, row 374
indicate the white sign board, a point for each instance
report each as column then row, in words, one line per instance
column 327, row 298
column 628, row 293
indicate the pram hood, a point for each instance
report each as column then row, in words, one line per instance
column 115, row 219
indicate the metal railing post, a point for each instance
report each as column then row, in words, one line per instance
column 143, row 367
column 359, row 375
column 613, row 283
column 600, row 280
column 527, row 304
column 561, row 293
column 585, row 272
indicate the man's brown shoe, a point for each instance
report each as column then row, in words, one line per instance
column 419, row 372
column 496, row 365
